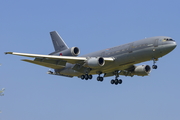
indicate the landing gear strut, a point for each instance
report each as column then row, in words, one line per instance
column 154, row 62
column 116, row 81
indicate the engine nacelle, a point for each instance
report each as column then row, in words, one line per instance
column 95, row 62
column 74, row 51
column 142, row 70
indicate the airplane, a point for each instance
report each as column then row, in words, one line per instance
column 115, row 61
column 2, row 91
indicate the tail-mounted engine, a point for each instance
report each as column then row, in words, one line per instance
column 74, row 51
column 142, row 70
column 95, row 62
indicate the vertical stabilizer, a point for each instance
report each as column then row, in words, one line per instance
column 58, row 42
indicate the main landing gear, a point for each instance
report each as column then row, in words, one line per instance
column 99, row 78
column 116, row 81
column 154, row 62
column 86, row 77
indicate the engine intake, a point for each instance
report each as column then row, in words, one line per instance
column 142, row 70
column 95, row 62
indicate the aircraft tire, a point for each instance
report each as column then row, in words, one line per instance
column 86, row 77
column 101, row 79
column 82, row 77
column 112, row 81
column 154, row 66
column 90, row 76
column 120, row 81
column 98, row 78
column 116, row 81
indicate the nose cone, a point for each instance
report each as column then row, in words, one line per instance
column 171, row 45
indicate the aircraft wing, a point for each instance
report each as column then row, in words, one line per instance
column 45, row 64
column 69, row 59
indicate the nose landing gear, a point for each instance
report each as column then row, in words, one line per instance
column 154, row 62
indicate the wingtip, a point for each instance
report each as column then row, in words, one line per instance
column 8, row 53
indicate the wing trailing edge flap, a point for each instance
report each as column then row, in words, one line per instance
column 45, row 64
column 81, row 68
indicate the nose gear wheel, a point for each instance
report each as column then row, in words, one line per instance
column 154, row 62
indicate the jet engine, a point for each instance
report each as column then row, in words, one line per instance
column 95, row 62
column 74, row 51
column 142, row 70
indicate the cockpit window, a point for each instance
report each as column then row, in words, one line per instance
column 168, row 39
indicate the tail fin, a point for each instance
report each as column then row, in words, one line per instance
column 58, row 42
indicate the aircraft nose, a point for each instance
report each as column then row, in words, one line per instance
column 171, row 45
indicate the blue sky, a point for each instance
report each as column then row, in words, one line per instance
column 91, row 26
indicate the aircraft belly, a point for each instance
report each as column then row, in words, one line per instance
column 70, row 72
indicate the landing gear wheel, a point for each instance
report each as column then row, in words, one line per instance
column 98, row 78
column 86, row 77
column 90, row 76
column 120, row 81
column 154, row 66
column 101, row 79
column 116, row 81
column 82, row 77
column 112, row 81
column 154, row 62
